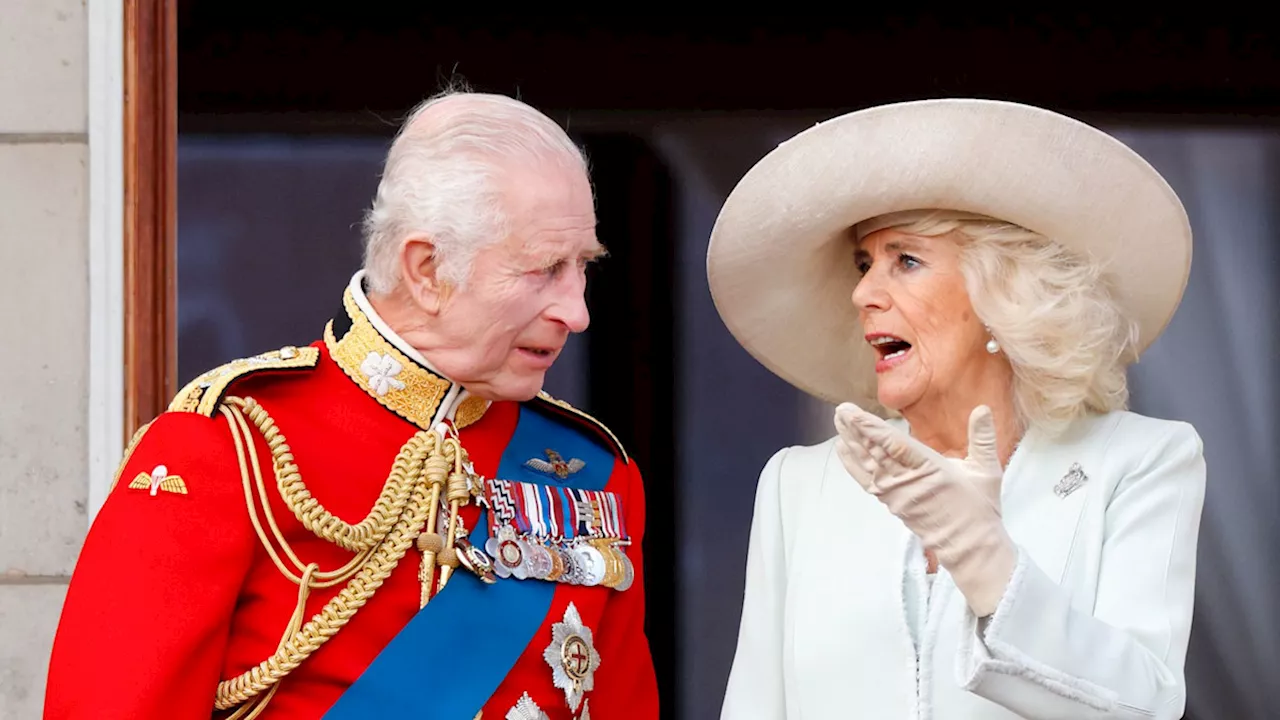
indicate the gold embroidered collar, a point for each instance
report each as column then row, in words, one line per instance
column 392, row 372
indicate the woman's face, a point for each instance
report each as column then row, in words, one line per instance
column 917, row 316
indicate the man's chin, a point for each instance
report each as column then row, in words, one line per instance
column 510, row 392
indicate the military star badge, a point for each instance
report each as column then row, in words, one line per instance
column 159, row 479
column 526, row 709
column 555, row 464
column 572, row 657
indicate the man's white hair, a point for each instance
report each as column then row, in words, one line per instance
column 442, row 180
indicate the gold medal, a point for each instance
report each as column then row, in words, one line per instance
column 557, row 564
column 612, row 562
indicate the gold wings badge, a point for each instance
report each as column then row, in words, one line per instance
column 159, row 479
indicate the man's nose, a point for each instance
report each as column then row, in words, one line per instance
column 571, row 309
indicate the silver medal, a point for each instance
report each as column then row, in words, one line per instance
column 593, row 564
column 539, row 561
column 572, row 566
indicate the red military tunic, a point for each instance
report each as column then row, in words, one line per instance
column 176, row 595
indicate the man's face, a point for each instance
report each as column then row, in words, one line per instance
column 526, row 293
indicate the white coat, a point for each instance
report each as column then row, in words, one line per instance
column 1094, row 623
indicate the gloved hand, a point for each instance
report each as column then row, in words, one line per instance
column 952, row 505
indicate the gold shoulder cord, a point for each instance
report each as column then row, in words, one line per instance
column 128, row 453
column 426, row 465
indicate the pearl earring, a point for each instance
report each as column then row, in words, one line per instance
column 993, row 347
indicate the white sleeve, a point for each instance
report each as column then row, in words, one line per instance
column 755, row 689
column 1043, row 659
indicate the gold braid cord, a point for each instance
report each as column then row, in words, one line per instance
column 405, row 506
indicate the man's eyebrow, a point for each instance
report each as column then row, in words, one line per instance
column 593, row 253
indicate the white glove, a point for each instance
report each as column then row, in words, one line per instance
column 953, row 506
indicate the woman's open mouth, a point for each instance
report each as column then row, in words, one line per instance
column 891, row 350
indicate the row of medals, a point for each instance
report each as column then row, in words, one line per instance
column 587, row 561
column 578, row 561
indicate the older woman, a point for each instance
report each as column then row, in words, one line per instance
column 990, row 533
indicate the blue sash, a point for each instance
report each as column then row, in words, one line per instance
column 453, row 654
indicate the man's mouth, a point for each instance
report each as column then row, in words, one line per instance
column 540, row 352
column 888, row 346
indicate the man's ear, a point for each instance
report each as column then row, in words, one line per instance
column 419, row 269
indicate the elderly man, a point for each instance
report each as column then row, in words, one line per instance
column 393, row 521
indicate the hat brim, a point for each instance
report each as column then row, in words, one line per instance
column 780, row 261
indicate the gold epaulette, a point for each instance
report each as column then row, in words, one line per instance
column 128, row 453
column 203, row 394
column 564, row 409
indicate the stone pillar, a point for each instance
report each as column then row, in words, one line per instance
column 49, row 319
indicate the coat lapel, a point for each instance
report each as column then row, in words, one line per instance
column 1048, row 487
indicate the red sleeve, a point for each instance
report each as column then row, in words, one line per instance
column 630, row 688
column 147, row 613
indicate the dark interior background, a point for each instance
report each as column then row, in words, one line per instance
column 285, row 110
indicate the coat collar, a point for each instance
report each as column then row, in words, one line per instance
column 390, row 370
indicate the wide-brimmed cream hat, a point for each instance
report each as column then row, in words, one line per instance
column 781, row 262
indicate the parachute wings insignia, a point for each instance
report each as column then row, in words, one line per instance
column 159, row 479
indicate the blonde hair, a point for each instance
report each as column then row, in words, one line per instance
column 1052, row 311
